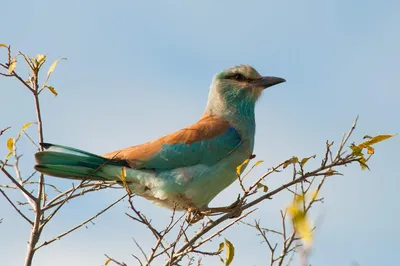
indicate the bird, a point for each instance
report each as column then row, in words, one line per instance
column 187, row 168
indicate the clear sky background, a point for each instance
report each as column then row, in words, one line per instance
column 137, row 70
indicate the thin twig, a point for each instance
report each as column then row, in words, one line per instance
column 23, row 190
column 4, row 130
column 80, row 225
column 115, row 261
column 15, row 207
column 141, row 250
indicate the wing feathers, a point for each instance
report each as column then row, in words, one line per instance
column 184, row 147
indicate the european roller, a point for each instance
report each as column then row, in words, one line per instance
column 185, row 169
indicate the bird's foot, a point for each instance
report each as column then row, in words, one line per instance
column 233, row 208
column 193, row 215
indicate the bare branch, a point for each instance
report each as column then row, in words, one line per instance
column 141, row 250
column 4, row 130
column 117, row 262
column 15, row 207
column 80, row 225
column 20, row 187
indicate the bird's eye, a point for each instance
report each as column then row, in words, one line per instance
column 239, row 77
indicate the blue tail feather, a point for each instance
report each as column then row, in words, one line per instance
column 63, row 161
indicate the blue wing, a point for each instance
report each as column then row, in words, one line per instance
column 205, row 142
column 206, row 151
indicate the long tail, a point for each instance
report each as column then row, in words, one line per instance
column 67, row 162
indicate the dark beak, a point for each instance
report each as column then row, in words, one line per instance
column 266, row 82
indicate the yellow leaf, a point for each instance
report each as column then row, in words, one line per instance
column 301, row 223
column 305, row 160
column 330, row 172
column 53, row 66
column 314, row 195
column 10, row 144
column 12, row 66
column 303, row 228
column 220, row 247
column 229, row 252
column 292, row 160
column 258, row 163
column 10, row 147
column 363, row 163
column 293, row 211
column 298, row 199
column 123, row 179
column 25, row 126
column 356, row 150
column 40, row 59
column 107, row 262
column 9, row 154
column 52, row 90
column 264, row 187
column 123, row 175
column 3, row 45
column 370, row 150
column 44, row 196
column 239, row 168
column 375, row 140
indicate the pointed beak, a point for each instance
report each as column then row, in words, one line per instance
column 266, row 82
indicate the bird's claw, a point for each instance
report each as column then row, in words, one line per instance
column 234, row 205
column 233, row 208
column 193, row 215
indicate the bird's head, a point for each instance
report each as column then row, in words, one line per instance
column 238, row 87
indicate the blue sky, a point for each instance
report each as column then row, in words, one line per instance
column 137, row 70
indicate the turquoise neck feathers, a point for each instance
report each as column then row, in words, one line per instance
column 233, row 99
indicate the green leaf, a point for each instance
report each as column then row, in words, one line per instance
column 53, row 66
column 229, row 252
column 264, row 187
column 292, row 160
